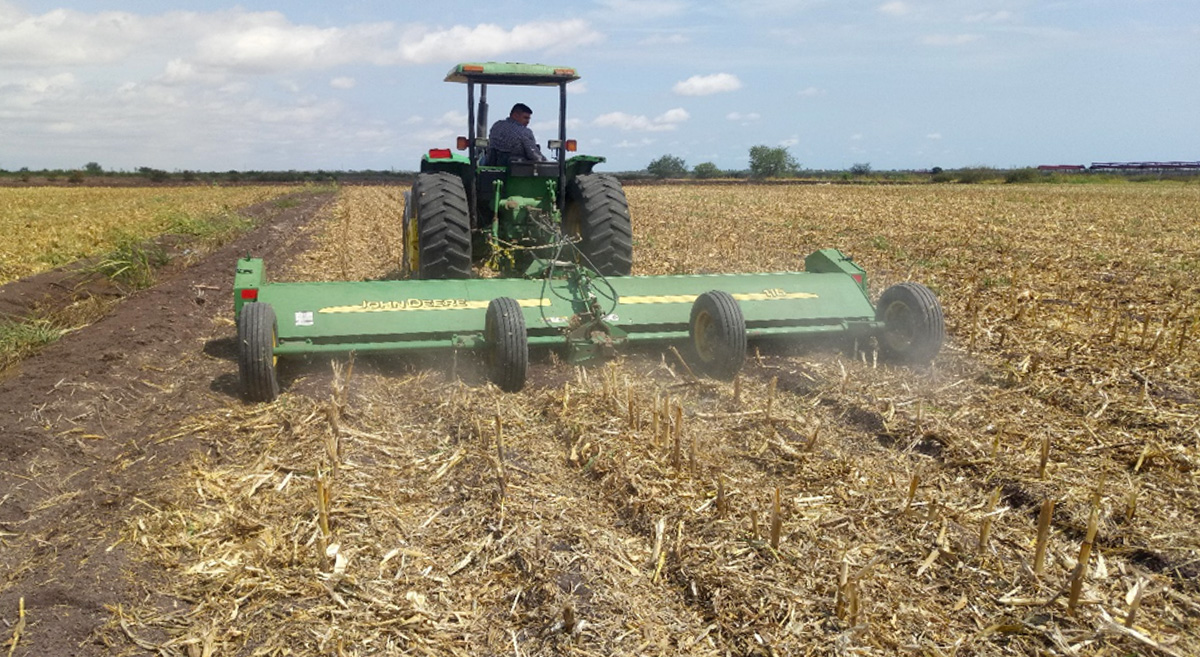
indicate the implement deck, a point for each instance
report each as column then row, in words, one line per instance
column 437, row 314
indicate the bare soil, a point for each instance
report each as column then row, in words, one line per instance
column 75, row 421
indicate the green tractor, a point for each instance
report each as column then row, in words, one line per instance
column 463, row 211
column 560, row 235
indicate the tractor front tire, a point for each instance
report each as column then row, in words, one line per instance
column 718, row 334
column 507, row 344
column 256, row 353
column 443, row 228
column 914, row 327
column 598, row 214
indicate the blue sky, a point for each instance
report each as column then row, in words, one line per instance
column 311, row 85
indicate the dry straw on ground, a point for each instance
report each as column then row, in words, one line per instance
column 821, row 504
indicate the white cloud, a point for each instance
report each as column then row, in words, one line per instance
column 811, row 92
column 934, row 136
column 704, row 85
column 677, row 115
column 241, row 41
column 790, row 141
column 668, row 120
column 949, row 39
column 738, row 116
column 486, row 41
column 856, row 136
column 343, row 83
column 53, row 83
column 64, row 36
column 267, row 42
column 895, row 8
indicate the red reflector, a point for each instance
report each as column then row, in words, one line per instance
column 564, row 71
column 439, row 153
column 250, row 294
column 571, row 145
column 472, row 68
column 857, row 278
column 461, row 143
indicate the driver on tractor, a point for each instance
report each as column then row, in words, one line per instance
column 511, row 139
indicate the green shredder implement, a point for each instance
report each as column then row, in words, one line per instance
column 560, row 237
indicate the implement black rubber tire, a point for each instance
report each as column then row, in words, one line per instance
column 717, row 330
column 256, row 353
column 508, row 344
column 443, row 226
column 914, row 326
column 598, row 214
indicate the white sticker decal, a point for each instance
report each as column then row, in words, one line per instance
column 304, row 318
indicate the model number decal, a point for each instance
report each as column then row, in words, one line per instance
column 770, row 294
column 401, row 305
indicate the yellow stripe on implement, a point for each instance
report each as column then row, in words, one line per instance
column 766, row 295
column 425, row 304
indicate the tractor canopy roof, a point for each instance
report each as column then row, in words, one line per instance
column 512, row 73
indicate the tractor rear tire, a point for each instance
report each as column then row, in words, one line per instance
column 443, row 233
column 508, row 344
column 256, row 352
column 598, row 214
column 914, row 326
column 408, row 235
column 718, row 334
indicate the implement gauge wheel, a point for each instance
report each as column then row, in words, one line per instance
column 598, row 214
column 507, row 344
column 718, row 333
column 256, row 353
column 914, row 327
column 441, row 240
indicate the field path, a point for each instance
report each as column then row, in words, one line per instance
column 77, row 429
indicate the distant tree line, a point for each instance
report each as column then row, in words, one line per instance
column 768, row 162
column 94, row 173
column 765, row 163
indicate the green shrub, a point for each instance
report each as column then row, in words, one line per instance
column 706, row 170
column 1025, row 175
column 132, row 263
column 974, row 175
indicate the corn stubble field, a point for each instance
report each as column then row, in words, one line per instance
column 1034, row 492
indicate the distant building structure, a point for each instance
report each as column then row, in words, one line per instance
column 1160, row 167
column 1145, row 166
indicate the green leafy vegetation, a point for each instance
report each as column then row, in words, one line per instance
column 767, row 162
column 21, row 338
column 668, row 166
column 132, row 264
